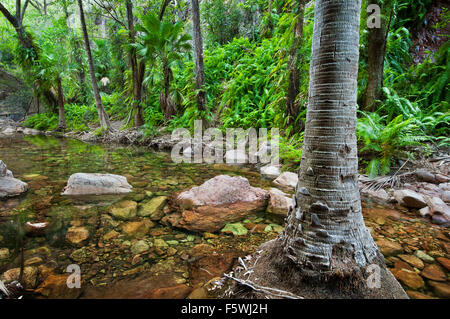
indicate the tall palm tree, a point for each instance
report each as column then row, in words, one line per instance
column 165, row 42
column 325, row 249
column 295, row 60
column 199, row 66
column 102, row 115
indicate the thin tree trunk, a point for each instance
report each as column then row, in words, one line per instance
column 377, row 49
column 199, row 67
column 102, row 115
column 165, row 101
column 75, row 53
column 137, row 82
column 295, row 60
column 61, row 116
column 163, row 8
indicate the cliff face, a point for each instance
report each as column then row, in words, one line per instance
column 15, row 96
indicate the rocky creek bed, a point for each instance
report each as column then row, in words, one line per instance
column 127, row 246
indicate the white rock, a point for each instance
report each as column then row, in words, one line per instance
column 10, row 186
column 9, row 131
column 96, row 184
column 287, row 179
column 270, row 171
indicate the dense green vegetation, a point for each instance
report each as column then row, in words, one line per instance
column 246, row 57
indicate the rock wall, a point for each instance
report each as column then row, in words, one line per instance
column 15, row 97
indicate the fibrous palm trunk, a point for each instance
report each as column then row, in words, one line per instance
column 102, row 115
column 325, row 249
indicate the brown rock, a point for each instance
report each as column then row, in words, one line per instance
column 175, row 292
column 412, row 260
column 442, row 289
column 444, row 262
column 55, row 287
column 442, row 178
column 418, row 295
column 409, row 198
column 138, row 228
column 201, row 250
column 389, row 248
column 210, row 266
column 220, row 200
column 76, row 235
column 409, row 278
column 398, row 265
column 199, row 293
column 426, row 176
column 434, row 272
column 279, row 202
column 30, row 275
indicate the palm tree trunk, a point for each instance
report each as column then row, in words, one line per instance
column 376, row 52
column 137, row 84
column 327, row 233
column 61, row 115
column 295, row 59
column 102, row 115
column 325, row 249
column 199, row 67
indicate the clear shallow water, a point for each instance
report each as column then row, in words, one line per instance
column 187, row 261
column 46, row 163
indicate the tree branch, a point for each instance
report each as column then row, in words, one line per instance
column 12, row 19
column 25, row 5
column 111, row 12
column 163, row 9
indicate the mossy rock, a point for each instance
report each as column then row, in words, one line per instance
column 237, row 229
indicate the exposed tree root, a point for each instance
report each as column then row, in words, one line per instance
column 268, row 274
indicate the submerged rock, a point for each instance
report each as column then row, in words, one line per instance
column 237, row 229
column 10, row 186
column 56, row 287
column 77, row 235
column 96, row 184
column 138, row 228
column 139, row 247
column 29, row 280
column 220, row 200
column 153, row 208
column 124, row 210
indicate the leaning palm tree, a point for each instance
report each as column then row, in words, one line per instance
column 164, row 42
column 325, row 249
